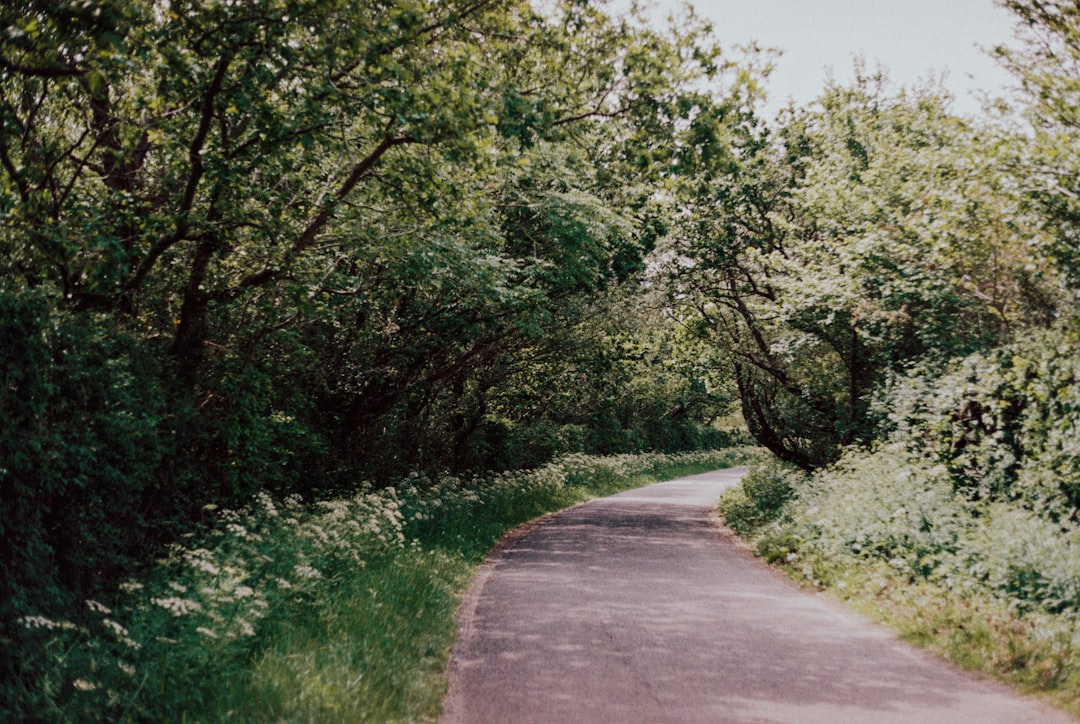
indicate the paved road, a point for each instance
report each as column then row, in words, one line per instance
column 639, row 608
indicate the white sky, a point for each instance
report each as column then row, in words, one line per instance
column 911, row 39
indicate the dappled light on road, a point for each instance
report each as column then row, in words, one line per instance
column 640, row 608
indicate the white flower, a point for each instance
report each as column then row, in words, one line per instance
column 97, row 607
column 307, row 572
column 114, row 627
column 177, row 606
column 244, row 592
column 84, row 685
column 206, row 632
column 202, row 560
column 237, row 530
column 267, row 504
column 45, row 623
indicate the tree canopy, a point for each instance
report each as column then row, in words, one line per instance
column 303, row 245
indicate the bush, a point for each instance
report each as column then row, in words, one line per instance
column 761, row 496
column 877, row 506
column 890, row 508
column 1004, row 423
column 82, row 442
column 83, row 439
column 992, row 584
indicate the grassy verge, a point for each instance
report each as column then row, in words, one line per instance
column 338, row 611
column 1035, row 653
column 990, row 586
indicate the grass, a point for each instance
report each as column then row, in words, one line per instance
column 990, row 586
column 1034, row 653
column 374, row 650
column 341, row 610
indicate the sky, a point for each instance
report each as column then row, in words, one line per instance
column 912, row 39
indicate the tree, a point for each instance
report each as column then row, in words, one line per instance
column 337, row 229
column 1047, row 65
column 867, row 232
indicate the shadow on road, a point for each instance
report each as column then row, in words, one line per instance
column 636, row 608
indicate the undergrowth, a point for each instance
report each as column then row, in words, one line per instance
column 992, row 585
column 338, row 610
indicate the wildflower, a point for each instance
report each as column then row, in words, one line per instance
column 45, row 623
column 84, row 685
column 130, row 586
column 127, row 668
column 97, row 607
column 283, row 584
column 244, row 592
column 206, row 632
column 121, row 634
column 114, row 627
column 202, row 560
column 237, row 530
column 177, row 606
column 307, row 572
column 267, row 504
column 246, row 628
column 178, row 587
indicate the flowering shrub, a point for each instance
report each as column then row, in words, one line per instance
column 901, row 511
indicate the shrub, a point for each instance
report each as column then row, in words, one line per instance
column 888, row 507
column 761, row 496
column 874, row 506
column 1025, row 559
column 992, row 584
column 1004, row 423
column 83, row 438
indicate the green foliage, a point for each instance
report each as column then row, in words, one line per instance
column 340, row 609
column 760, row 496
column 1002, row 422
column 962, row 529
column 992, row 585
column 1044, row 62
column 104, row 461
column 875, row 507
column 81, row 448
column 868, row 231
column 299, row 244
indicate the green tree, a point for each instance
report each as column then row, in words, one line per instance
column 868, row 231
column 1046, row 63
column 337, row 229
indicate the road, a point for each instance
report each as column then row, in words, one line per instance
column 641, row 608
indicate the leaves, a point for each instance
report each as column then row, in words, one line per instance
column 868, row 231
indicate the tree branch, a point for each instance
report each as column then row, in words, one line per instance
column 165, row 241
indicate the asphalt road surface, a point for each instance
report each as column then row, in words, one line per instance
column 641, row 608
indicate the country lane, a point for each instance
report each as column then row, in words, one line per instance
column 640, row 607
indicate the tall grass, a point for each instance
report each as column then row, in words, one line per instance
column 339, row 610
